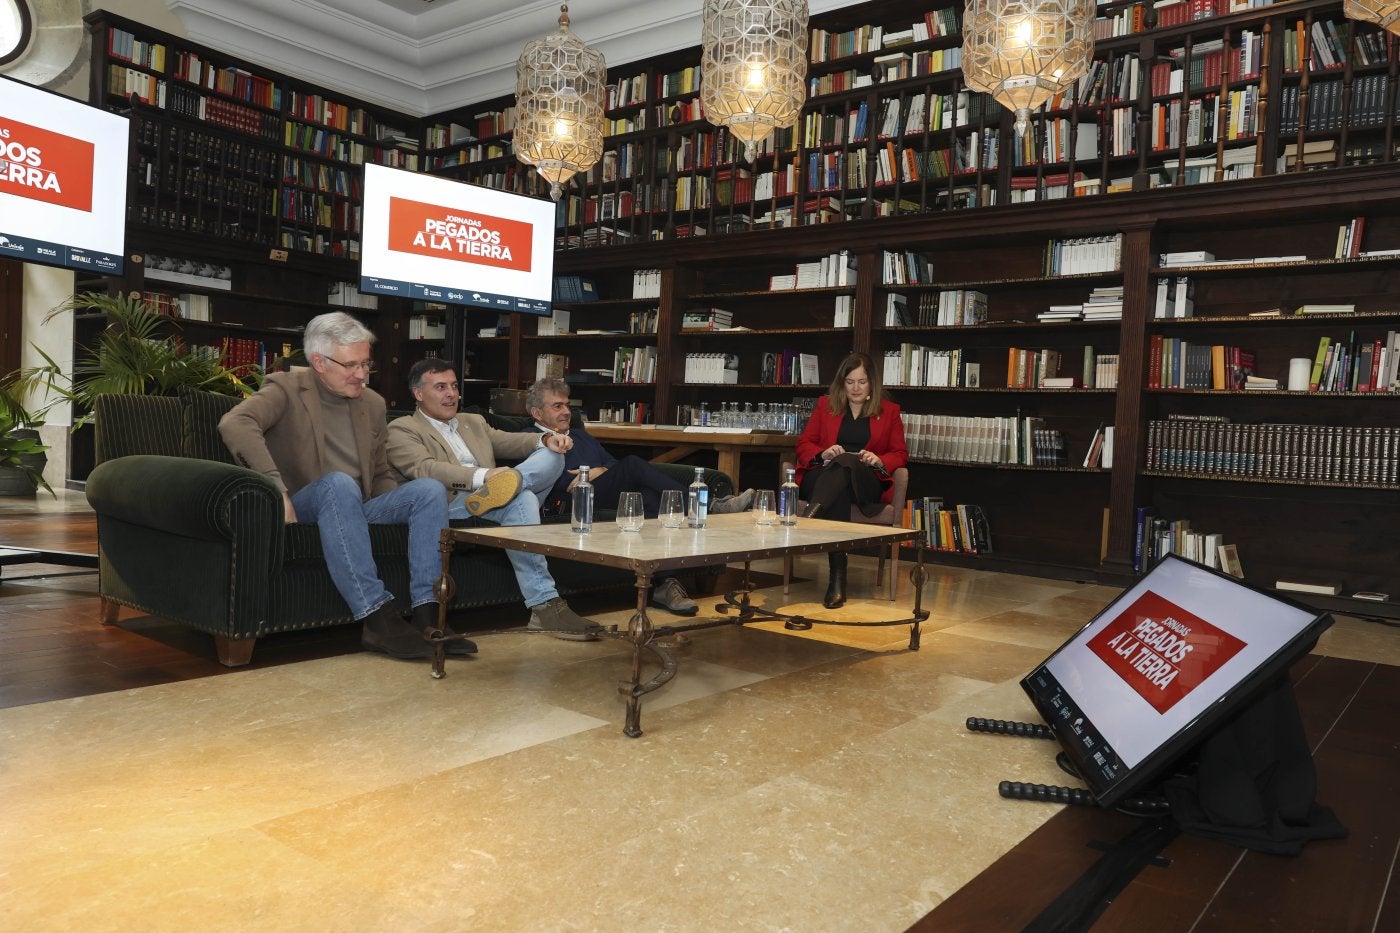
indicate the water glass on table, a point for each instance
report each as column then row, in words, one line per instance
column 629, row 511
column 765, row 512
column 672, row 513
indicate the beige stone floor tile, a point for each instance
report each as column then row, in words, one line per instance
column 232, row 881
column 550, row 811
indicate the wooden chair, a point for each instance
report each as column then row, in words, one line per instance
column 889, row 515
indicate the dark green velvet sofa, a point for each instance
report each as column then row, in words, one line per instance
column 187, row 535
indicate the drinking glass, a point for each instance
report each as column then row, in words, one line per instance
column 764, row 509
column 629, row 511
column 672, row 512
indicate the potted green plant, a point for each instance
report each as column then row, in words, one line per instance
column 135, row 354
column 22, row 457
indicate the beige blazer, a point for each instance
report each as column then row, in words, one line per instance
column 417, row 449
column 278, row 432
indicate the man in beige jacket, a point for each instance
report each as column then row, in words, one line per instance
column 460, row 450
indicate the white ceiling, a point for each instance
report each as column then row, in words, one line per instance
column 427, row 56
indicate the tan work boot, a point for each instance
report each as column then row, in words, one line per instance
column 495, row 492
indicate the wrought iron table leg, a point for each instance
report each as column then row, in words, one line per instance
column 640, row 632
column 445, row 589
column 916, row 578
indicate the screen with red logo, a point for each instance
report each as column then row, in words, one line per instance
column 441, row 240
column 62, row 180
column 1159, row 666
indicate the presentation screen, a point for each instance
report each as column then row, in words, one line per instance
column 1160, row 666
column 63, row 168
column 443, row 240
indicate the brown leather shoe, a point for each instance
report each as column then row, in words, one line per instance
column 387, row 632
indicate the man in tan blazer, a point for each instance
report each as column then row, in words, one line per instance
column 319, row 434
column 460, row 451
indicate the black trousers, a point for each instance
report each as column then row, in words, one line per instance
column 838, row 485
column 632, row 474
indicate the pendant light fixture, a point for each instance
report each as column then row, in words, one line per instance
column 753, row 66
column 1384, row 14
column 1023, row 52
column 560, row 85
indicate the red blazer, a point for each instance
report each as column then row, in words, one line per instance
column 886, row 440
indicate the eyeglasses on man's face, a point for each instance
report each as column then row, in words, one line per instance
column 367, row 368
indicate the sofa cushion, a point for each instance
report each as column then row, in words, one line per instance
column 200, row 412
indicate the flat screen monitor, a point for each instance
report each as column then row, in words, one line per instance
column 441, row 240
column 1160, row 667
column 63, row 169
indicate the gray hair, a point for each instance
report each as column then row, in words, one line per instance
column 324, row 332
column 534, row 396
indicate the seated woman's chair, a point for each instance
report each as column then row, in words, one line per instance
column 889, row 515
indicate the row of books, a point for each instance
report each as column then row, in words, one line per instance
column 952, row 307
column 827, row 46
column 427, row 327
column 635, row 364
column 574, row 288
column 1356, row 365
column 1008, row 439
column 707, row 319
column 1294, row 452
column 914, row 365
column 1084, row 255
column 963, row 528
column 711, row 368
column 619, row 412
column 1174, row 363
column 789, row 367
column 837, row 270
column 348, row 295
column 1154, row 537
column 905, row 268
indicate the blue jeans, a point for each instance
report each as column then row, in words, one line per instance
column 538, row 473
column 333, row 503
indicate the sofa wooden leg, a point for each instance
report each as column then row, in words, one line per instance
column 108, row 612
column 234, row 652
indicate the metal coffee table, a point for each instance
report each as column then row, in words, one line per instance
column 726, row 539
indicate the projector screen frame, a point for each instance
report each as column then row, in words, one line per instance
column 93, row 239
column 1075, row 730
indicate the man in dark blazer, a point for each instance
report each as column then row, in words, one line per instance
column 460, row 450
column 319, row 434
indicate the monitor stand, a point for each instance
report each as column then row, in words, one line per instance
column 1052, row 793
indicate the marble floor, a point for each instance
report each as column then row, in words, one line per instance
column 786, row 781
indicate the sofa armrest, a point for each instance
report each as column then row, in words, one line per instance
column 193, row 498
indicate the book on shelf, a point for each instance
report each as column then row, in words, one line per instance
column 1229, row 558
column 556, row 325
column 1371, row 596
column 1260, row 383
column 1325, row 307
column 1316, row 587
column 1186, row 258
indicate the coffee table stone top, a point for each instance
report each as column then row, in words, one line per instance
column 724, row 538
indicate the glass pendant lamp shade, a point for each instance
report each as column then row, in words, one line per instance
column 1382, row 13
column 1022, row 52
column 560, row 86
column 753, row 66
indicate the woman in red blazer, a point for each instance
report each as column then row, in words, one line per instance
column 846, row 455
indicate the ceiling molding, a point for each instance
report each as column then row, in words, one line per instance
column 423, row 58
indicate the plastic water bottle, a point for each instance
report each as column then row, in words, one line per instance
column 698, row 500
column 583, row 503
column 787, row 499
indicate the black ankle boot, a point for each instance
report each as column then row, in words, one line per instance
column 836, row 587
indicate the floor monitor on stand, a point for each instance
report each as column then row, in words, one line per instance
column 1173, row 657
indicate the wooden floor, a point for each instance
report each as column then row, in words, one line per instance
column 52, row 647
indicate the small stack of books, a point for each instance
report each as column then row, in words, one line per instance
column 707, row 319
